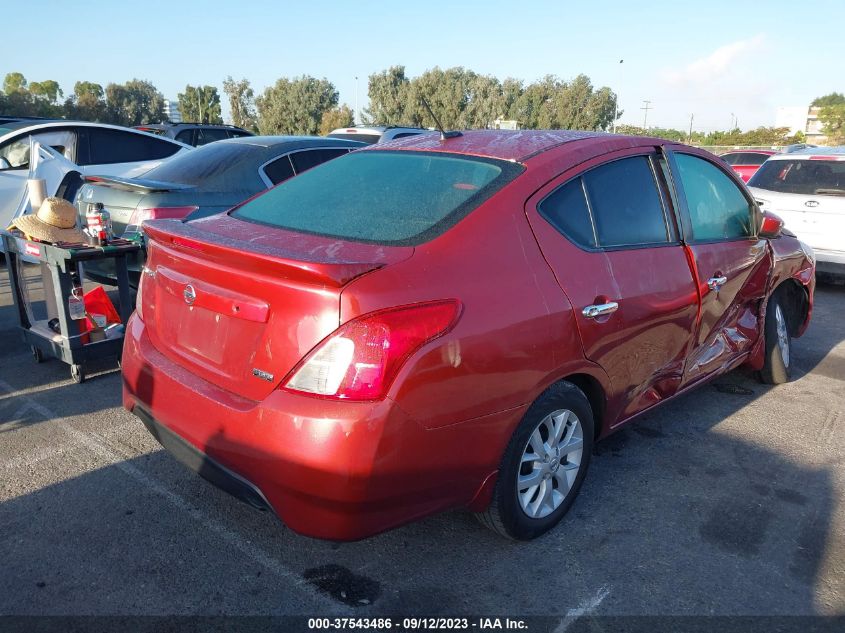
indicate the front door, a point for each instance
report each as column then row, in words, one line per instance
column 608, row 233
column 732, row 265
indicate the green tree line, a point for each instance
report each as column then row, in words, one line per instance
column 459, row 97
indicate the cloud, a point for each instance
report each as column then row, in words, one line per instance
column 716, row 65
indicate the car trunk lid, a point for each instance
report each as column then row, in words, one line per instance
column 240, row 304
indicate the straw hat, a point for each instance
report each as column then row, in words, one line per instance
column 54, row 222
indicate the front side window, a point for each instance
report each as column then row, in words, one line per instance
column 15, row 154
column 718, row 209
column 387, row 197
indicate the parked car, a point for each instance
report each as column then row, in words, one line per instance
column 807, row 189
column 429, row 325
column 93, row 147
column 746, row 162
column 372, row 134
column 195, row 134
column 208, row 180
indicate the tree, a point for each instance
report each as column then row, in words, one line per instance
column 14, row 82
column 834, row 98
column 833, row 123
column 87, row 102
column 295, row 106
column 335, row 118
column 200, row 104
column 241, row 102
column 389, row 93
column 134, row 103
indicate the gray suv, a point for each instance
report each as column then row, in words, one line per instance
column 195, row 134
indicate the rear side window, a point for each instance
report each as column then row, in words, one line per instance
column 717, row 207
column 806, row 177
column 106, row 147
column 205, row 136
column 566, row 209
column 305, row 160
column 626, row 205
column 391, row 198
column 186, row 136
column 614, row 205
column 279, row 170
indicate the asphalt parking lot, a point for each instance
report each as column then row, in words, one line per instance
column 728, row 501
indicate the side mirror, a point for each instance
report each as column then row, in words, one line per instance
column 772, row 225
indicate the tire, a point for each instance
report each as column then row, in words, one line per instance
column 521, row 511
column 77, row 373
column 37, row 354
column 777, row 366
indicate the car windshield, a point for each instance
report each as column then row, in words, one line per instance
column 807, row 177
column 391, row 198
column 199, row 165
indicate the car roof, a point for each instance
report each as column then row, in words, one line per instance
column 513, row 145
column 22, row 126
column 291, row 142
column 808, row 153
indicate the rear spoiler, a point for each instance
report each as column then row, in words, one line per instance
column 260, row 258
column 136, row 184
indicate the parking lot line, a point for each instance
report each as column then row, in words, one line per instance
column 587, row 607
column 112, row 457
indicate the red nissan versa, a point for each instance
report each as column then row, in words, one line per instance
column 435, row 323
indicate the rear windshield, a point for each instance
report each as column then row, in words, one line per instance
column 199, row 165
column 369, row 139
column 399, row 198
column 807, row 177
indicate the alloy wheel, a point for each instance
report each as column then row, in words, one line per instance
column 550, row 463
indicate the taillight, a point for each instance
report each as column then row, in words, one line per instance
column 159, row 213
column 361, row 358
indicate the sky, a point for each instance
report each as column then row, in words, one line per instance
column 720, row 61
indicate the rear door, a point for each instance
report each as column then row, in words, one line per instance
column 607, row 230
column 732, row 265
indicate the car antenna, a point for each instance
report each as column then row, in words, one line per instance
column 443, row 133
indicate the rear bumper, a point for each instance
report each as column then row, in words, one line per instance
column 202, row 464
column 333, row 470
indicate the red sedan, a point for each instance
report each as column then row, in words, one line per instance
column 746, row 162
column 437, row 323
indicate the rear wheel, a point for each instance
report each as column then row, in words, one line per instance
column 543, row 466
column 777, row 366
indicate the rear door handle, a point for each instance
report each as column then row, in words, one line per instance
column 600, row 309
column 714, row 283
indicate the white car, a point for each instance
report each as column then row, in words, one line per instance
column 96, row 148
column 372, row 134
column 807, row 189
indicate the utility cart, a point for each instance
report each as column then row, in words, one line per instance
column 72, row 338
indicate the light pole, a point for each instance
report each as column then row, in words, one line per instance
column 355, row 119
column 616, row 105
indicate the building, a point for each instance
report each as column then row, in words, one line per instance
column 171, row 111
column 804, row 119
